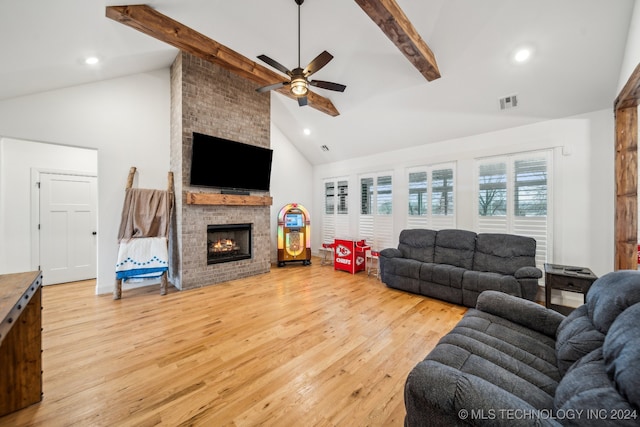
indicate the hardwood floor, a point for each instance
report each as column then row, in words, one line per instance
column 299, row 346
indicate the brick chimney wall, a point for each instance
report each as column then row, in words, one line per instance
column 208, row 99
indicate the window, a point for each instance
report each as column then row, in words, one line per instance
column 375, row 223
column 343, row 199
column 384, row 199
column 329, row 197
column 366, row 196
column 492, row 189
column 513, row 197
column 431, row 197
column 530, row 187
column 442, row 192
column 336, row 207
column 418, row 193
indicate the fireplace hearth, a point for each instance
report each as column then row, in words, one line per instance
column 228, row 242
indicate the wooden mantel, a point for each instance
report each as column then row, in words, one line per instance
column 227, row 199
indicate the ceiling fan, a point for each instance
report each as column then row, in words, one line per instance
column 299, row 82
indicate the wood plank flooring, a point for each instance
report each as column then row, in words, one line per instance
column 299, row 346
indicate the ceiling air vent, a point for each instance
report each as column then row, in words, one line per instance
column 324, row 148
column 509, row 102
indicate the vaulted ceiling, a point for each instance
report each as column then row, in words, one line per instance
column 577, row 50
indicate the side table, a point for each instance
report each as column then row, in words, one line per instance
column 566, row 278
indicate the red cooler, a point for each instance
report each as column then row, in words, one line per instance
column 350, row 255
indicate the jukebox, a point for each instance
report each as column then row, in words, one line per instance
column 294, row 235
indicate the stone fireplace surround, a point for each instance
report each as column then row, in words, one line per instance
column 208, row 99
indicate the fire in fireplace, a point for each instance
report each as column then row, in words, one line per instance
column 228, row 242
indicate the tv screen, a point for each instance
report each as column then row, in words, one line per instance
column 221, row 163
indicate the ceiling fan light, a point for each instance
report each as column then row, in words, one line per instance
column 299, row 87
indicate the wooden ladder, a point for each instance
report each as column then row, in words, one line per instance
column 117, row 289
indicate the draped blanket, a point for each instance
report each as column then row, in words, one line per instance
column 145, row 213
column 142, row 258
column 143, row 234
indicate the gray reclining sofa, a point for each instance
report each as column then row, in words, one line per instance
column 457, row 265
column 512, row 362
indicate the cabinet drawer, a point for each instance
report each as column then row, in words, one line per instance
column 572, row 284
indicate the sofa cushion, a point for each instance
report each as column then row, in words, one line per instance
column 479, row 281
column 455, row 247
column 442, row 274
column 610, row 295
column 417, row 244
column 621, row 352
column 576, row 337
column 587, row 390
column 405, row 267
column 503, row 253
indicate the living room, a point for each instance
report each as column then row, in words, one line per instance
column 107, row 126
column 130, row 115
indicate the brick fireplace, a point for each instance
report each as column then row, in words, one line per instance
column 210, row 100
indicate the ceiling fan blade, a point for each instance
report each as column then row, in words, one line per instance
column 271, row 87
column 275, row 64
column 302, row 101
column 319, row 62
column 328, row 85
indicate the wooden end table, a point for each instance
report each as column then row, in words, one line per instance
column 566, row 278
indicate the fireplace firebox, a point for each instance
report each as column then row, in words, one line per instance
column 228, row 242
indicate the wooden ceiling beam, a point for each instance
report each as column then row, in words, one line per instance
column 153, row 23
column 394, row 23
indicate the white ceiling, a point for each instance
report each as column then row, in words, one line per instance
column 578, row 49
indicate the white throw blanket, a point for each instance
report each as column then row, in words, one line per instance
column 142, row 258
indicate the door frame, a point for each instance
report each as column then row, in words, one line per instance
column 35, row 208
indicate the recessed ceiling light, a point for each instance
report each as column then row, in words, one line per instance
column 306, row 131
column 522, row 55
column 91, row 60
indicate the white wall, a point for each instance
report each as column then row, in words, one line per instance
column 126, row 120
column 583, row 174
column 632, row 48
column 17, row 159
column 291, row 182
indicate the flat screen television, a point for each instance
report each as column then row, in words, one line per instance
column 221, row 163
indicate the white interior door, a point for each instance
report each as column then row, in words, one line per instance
column 67, row 227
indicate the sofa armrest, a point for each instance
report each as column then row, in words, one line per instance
column 391, row 253
column 528, row 273
column 521, row 311
column 439, row 395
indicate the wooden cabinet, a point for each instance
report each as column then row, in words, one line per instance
column 20, row 340
column 566, row 278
